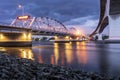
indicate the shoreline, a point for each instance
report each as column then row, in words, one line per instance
column 12, row 68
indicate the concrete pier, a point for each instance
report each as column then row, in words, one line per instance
column 12, row 37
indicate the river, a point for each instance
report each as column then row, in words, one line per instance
column 86, row 56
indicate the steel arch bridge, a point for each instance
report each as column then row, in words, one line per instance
column 42, row 26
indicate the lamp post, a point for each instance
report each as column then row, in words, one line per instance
column 22, row 8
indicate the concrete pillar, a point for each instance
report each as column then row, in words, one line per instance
column 100, row 37
column 114, row 27
column 8, row 39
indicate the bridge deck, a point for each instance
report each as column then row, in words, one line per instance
column 2, row 27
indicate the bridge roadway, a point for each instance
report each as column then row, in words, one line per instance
column 23, row 27
column 13, row 36
column 43, row 31
column 16, row 36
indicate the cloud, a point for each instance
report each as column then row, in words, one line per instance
column 87, row 24
column 62, row 10
column 67, row 9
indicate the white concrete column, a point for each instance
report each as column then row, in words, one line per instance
column 99, row 36
column 114, row 27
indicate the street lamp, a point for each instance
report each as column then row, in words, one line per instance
column 21, row 7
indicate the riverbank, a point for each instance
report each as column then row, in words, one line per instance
column 12, row 68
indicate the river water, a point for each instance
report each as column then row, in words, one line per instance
column 86, row 56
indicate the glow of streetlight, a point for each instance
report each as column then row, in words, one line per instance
column 22, row 8
column 26, row 17
column 78, row 33
column 19, row 6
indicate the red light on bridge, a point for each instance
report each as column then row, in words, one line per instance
column 23, row 17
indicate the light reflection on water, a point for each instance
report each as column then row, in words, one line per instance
column 81, row 55
column 103, row 58
column 21, row 52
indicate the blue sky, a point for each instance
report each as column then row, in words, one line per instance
column 83, row 14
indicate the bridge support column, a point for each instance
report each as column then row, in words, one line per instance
column 62, row 38
column 114, row 27
column 100, row 37
column 8, row 39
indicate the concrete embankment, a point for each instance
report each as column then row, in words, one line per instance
column 12, row 68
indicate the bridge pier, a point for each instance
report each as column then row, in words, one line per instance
column 68, row 38
column 15, row 39
column 100, row 37
column 109, row 16
column 114, row 27
column 12, row 37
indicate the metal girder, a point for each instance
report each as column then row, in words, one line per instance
column 39, row 24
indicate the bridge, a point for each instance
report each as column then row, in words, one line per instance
column 41, row 25
column 21, row 30
column 109, row 17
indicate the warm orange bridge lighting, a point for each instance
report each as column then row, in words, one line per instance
column 23, row 17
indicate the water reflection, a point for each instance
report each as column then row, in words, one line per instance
column 103, row 58
column 52, row 59
column 93, row 57
column 68, row 53
column 56, row 52
column 81, row 54
column 22, row 52
column 44, row 54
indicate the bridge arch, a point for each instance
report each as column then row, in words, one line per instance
column 41, row 23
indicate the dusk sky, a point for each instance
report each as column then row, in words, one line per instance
column 83, row 14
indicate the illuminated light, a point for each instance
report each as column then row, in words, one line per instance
column 29, row 36
column 67, row 37
column 24, row 54
column 30, row 55
column 2, row 49
column 68, row 53
column 70, row 42
column 19, row 6
column 78, row 32
column 40, row 60
column 56, row 53
column 1, row 36
column 24, row 35
column 23, row 17
column 52, row 59
column 82, row 55
column 56, row 37
column 78, row 43
column 55, row 45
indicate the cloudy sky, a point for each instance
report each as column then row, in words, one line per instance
column 83, row 14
